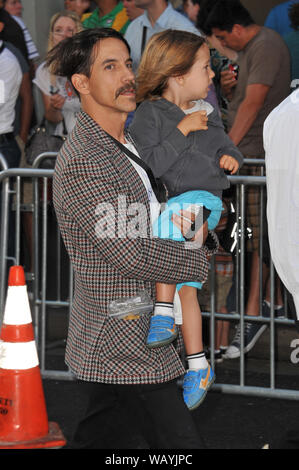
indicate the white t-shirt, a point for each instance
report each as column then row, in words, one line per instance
column 154, row 204
column 10, row 81
column 200, row 105
column 281, row 144
column 72, row 103
column 31, row 47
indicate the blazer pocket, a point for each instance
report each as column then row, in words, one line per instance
column 124, row 350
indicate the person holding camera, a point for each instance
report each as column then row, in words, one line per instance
column 263, row 81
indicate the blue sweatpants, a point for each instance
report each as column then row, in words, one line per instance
column 163, row 227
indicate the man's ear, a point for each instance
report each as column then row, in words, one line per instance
column 81, row 83
column 238, row 29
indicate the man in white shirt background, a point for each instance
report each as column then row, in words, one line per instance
column 158, row 16
column 281, row 142
column 10, row 82
column 11, row 77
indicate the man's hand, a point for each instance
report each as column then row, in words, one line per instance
column 57, row 101
column 228, row 82
column 184, row 222
column 197, row 121
column 229, row 163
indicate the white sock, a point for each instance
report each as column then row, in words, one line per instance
column 164, row 308
column 197, row 361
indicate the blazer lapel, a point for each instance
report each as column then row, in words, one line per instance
column 120, row 161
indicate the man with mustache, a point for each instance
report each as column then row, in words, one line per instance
column 125, row 384
column 130, row 87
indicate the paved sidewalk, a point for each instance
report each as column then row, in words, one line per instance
column 225, row 421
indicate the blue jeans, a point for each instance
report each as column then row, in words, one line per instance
column 11, row 152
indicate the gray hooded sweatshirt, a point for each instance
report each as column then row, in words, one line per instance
column 184, row 163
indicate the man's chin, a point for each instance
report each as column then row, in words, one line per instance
column 127, row 103
column 130, row 106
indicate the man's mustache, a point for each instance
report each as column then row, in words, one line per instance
column 130, row 86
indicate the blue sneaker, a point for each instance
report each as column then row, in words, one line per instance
column 162, row 331
column 196, row 385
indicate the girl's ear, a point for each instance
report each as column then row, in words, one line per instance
column 180, row 80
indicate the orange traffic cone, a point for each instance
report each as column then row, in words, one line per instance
column 23, row 415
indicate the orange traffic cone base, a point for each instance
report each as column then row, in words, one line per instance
column 23, row 414
column 53, row 440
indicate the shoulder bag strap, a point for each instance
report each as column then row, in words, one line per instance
column 64, row 127
column 143, row 42
column 143, row 165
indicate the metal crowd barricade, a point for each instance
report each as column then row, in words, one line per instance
column 11, row 180
column 42, row 304
column 242, row 183
column 41, row 263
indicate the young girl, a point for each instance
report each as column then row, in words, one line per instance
column 182, row 139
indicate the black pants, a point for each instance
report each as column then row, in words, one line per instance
column 115, row 413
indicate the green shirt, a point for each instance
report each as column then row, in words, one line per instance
column 116, row 18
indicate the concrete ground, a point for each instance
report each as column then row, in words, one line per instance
column 225, row 420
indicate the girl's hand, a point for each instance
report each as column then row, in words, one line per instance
column 196, row 121
column 57, row 101
column 229, row 163
column 184, row 222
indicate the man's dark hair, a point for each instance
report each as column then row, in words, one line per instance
column 76, row 54
column 226, row 14
column 205, row 9
column 294, row 16
column 197, row 2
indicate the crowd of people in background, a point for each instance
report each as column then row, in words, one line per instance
column 254, row 67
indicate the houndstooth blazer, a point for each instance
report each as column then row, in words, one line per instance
column 91, row 170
